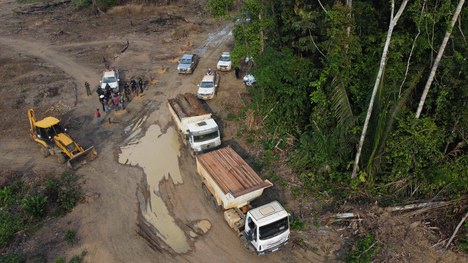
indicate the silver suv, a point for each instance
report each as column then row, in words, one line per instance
column 187, row 63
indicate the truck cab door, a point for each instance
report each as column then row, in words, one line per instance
column 251, row 230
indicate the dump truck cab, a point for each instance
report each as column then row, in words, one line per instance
column 267, row 227
column 203, row 135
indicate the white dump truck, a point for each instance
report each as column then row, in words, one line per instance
column 196, row 126
column 231, row 184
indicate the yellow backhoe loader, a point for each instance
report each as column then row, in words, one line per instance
column 54, row 140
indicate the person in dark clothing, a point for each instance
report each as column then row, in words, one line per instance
column 99, row 91
column 140, row 83
column 237, row 72
column 101, row 100
column 134, row 85
column 88, row 89
column 107, row 87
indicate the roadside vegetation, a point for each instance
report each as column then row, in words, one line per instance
column 316, row 64
column 28, row 200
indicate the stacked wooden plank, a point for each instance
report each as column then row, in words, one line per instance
column 187, row 105
column 231, row 173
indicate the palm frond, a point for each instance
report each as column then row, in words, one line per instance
column 341, row 104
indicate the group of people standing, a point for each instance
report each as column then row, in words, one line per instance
column 117, row 100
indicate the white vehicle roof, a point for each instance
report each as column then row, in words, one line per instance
column 268, row 213
column 202, row 125
column 110, row 73
column 208, row 78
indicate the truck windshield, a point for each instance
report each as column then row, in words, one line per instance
column 206, row 84
column 205, row 137
column 273, row 229
column 186, row 61
column 109, row 80
column 225, row 58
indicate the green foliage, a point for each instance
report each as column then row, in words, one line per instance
column 68, row 193
column 70, row 237
column 23, row 206
column 9, row 224
column 297, row 224
column 219, row 8
column 315, row 71
column 462, row 242
column 6, row 196
column 363, row 250
column 282, row 90
column 78, row 259
column 412, row 149
column 60, row 260
column 12, row 258
column 35, row 206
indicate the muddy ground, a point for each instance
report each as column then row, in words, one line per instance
column 142, row 189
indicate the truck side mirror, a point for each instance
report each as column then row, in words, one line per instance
column 291, row 217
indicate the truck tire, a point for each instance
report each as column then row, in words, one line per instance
column 215, row 204
column 246, row 244
column 61, row 158
column 44, row 151
column 206, row 192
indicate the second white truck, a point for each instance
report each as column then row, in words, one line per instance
column 196, row 126
column 231, row 184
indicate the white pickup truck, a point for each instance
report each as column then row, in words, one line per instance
column 196, row 126
column 208, row 86
column 231, row 184
column 110, row 77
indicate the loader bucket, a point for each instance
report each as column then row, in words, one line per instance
column 82, row 158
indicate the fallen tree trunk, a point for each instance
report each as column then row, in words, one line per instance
column 456, row 230
column 36, row 8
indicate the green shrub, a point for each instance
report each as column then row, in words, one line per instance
column 70, row 237
column 60, row 260
column 363, row 250
column 7, row 196
column 297, row 224
column 9, row 225
column 35, row 206
column 11, row 258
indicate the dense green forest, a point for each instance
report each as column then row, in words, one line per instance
column 317, row 64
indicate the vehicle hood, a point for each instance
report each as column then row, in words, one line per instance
column 224, row 63
column 184, row 66
column 205, row 91
column 113, row 85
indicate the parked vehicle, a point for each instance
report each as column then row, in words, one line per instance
column 249, row 80
column 196, row 126
column 110, row 77
column 224, row 62
column 231, row 184
column 53, row 139
column 208, row 86
column 187, row 63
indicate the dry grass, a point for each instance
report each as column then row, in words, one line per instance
column 133, row 9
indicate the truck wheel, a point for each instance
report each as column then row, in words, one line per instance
column 61, row 158
column 246, row 244
column 45, row 152
column 206, row 192
column 215, row 204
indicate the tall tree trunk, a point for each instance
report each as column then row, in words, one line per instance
column 391, row 26
column 349, row 4
column 439, row 56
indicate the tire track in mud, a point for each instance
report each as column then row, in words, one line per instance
column 68, row 65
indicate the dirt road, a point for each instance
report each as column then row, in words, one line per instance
column 142, row 197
